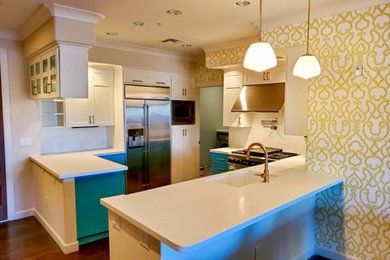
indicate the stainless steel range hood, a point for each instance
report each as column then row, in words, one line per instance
column 260, row 98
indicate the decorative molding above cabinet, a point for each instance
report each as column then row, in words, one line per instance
column 60, row 71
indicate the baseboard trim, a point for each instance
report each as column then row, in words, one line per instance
column 333, row 254
column 22, row 214
column 66, row 248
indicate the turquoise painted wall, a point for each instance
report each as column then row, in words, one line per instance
column 211, row 109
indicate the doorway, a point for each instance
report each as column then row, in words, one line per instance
column 211, row 113
column 3, row 191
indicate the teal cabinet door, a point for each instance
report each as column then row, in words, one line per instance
column 92, row 218
column 219, row 163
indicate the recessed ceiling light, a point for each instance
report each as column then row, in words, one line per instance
column 174, row 12
column 138, row 23
column 112, row 33
column 224, row 67
column 186, row 45
column 242, row 3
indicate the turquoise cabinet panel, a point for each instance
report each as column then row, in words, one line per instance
column 118, row 158
column 219, row 163
column 92, row 218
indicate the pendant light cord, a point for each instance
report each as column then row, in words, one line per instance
column 260, row 19
column 308, row 28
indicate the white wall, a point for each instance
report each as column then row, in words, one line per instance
column 25, row 122
column 66, row 139
column 243, row 137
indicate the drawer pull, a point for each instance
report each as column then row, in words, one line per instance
column 137, row 80
column 219, row 159
column 220, row 169
column 160, row 82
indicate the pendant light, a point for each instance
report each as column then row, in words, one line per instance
column 307, row 65
column 260, row 56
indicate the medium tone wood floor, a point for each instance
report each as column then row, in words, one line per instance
column 27, row 239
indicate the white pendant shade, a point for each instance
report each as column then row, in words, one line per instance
column 307, row 67
column 259, row 57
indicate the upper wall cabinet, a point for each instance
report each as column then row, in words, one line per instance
column 61, row 71
column 274, row 75
column 98, row 108
column 146, row 77
column 183, row 87
column 231, row 91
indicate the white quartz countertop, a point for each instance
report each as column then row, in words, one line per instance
column 224, row 150
column 77, row 164
column 188, row 215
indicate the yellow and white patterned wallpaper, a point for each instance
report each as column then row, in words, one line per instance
column 348, row 125
column 205, row 76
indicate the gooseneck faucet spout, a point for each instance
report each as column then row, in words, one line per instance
column 264, row 175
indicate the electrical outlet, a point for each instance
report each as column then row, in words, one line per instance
column 258, row 252
column 116, row 222
column 144, row 240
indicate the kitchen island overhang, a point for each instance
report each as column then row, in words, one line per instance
column 190, row 215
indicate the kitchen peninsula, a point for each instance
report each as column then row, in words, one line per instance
column 67, row 189
column 228, row 216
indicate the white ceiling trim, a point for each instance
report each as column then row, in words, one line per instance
column 100, row 42
column 73, row 13
column 8, row 35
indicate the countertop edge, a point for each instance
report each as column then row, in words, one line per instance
column 189, row 248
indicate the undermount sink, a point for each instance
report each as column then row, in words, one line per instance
column 239, row 179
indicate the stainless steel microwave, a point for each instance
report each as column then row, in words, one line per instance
column 183, row 112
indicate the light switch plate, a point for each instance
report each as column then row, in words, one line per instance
column 25, row 141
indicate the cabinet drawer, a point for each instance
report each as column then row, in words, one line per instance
column 216, row 157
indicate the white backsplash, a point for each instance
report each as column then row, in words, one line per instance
column 243, row 137
column 65, row 139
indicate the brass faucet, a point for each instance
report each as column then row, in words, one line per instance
column 264, row 175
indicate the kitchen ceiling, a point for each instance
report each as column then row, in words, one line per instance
column 202, row 22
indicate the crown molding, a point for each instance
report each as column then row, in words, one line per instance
column 73, row 13
column 48, row 10
column 9, row 35
column 104, row 43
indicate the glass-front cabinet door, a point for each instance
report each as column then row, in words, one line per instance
column 35, row 84
column 49, row 74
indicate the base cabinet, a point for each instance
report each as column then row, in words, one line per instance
column 184, row 153
column 92, row 221
column 219, row 163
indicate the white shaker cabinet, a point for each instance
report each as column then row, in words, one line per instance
column 184, row 153
column 275, row 75
column 146, row 77
column 98, row 108
column 61, row 71
column 231, row 91
column 183, row 87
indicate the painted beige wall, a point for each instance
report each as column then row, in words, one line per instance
column 25, row 122
column 40, row 38
column 139, row 60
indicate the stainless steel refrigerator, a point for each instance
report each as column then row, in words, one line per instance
column 148, row 137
